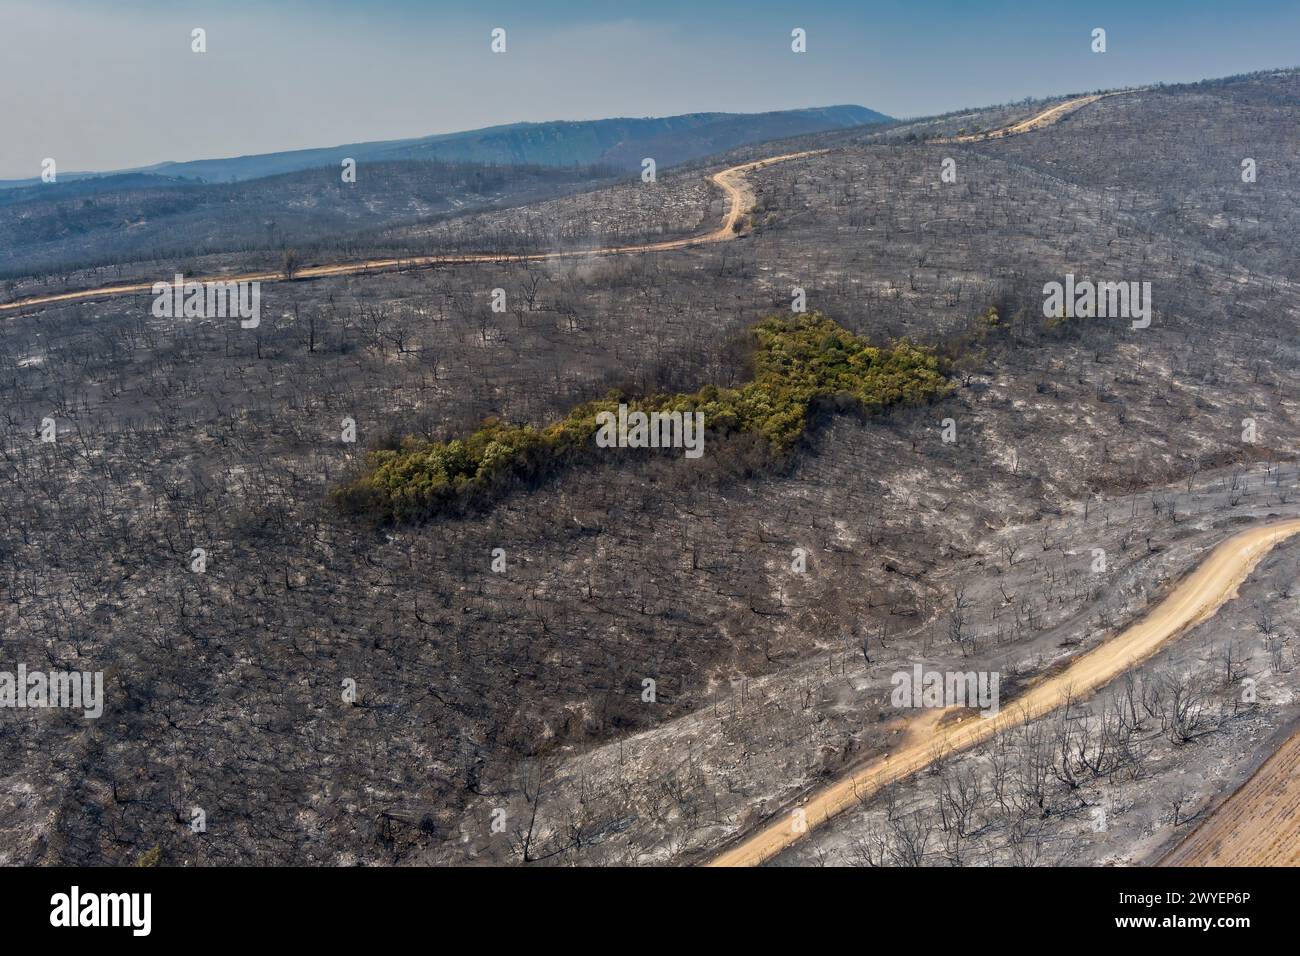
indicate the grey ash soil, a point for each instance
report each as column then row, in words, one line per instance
column 1022, row 606
column 482, row 690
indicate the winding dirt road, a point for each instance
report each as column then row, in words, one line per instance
column 1046, row 118
column 731, row 181
column 1195, row 599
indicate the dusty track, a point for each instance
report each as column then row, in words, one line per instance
column 1259, row 825
column 1195, row 599
column 1048, row 117
column 731, row 180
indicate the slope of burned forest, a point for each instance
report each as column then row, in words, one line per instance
column 329, row 692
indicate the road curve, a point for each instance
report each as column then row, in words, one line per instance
column 1196, row 598
column 730, row 180
column 1046, row 118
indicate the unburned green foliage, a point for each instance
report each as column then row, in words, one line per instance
column 801, row 364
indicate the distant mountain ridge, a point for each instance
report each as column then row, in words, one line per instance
column 622, row 142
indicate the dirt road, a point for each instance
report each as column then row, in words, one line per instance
column 1046, row 118
column 1259, row 825
column 731, row 181
column 1196, row 598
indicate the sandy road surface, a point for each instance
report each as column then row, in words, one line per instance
column 1049, row 116
column 731, row 180
column 1259, row 825
column 1196, row 598
column 1045, row 118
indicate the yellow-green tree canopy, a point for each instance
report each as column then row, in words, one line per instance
column 799, row 362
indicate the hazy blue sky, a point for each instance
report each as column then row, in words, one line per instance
column 112, row 84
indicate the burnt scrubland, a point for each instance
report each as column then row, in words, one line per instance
column 802, row 365
column 1120, row 777
column 299, row 200
column 524, row 689
column 117, row 220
